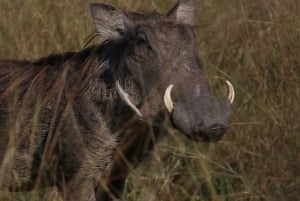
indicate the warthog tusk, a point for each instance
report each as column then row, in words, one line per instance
column 231, row 94
column 167, row 98
column 126, row 99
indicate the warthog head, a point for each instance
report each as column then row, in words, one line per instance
column 159, row 55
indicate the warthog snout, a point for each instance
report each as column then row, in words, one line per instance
column 195, row 118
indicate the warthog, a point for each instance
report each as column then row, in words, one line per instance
column 81, row 120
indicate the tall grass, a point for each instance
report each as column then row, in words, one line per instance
column 255, row 44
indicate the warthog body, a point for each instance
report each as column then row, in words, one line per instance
column 81, row 120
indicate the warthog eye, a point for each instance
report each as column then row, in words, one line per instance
column 121, row 32
column 142, row 38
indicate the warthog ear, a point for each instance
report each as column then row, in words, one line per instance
column 183, row 11
column 110, row 23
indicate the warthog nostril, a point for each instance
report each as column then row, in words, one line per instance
column 214, row 132
column 218, row 126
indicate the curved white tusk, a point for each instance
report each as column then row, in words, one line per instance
column 167, row 98
column 126, row 99
column 231, row 93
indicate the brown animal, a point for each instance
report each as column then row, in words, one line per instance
column 81, row 121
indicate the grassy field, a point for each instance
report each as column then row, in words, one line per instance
column 255, row 44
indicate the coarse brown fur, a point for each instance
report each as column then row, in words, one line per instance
column 44, row 110
column 65, row 122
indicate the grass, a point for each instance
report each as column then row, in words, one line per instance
column 254, row 44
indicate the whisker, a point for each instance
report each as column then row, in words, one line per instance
column 248, row 123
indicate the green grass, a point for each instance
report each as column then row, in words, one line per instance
column 255, row 44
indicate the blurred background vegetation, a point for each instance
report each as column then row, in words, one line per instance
column 255, row 44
